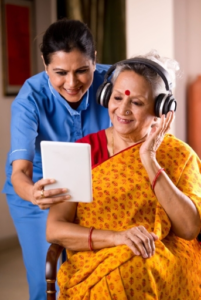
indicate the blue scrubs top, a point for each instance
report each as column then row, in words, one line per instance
column 40, row 113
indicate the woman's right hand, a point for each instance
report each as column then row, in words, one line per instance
column 34, row 192
column 138, row 239
column 46, row 198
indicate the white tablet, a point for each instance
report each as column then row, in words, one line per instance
column 70, row 165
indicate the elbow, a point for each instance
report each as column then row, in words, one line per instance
column 50, row 234
column 12, row 180
column 48, row 237
column 189, row 236
column 189, row 233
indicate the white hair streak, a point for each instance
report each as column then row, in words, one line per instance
column 171, row 65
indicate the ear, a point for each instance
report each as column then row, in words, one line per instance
column 154, row 122
column 94, row 63
column 44, row 63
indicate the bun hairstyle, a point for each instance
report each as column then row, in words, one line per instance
column 67, row 35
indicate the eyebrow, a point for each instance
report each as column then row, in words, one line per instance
column 60, row 69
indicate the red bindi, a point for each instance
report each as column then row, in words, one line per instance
column 127, row 92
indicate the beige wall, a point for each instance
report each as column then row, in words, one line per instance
column 170, row 26
column 187, row 49
column 150, row 27
column 173, row 27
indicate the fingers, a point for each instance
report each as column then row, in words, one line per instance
column 167, row 121
column 39, row 185
column 46, row 198
column 47, row 202
column 155, row 237
column 160, row 129
column 141, row 242
column 44, row 194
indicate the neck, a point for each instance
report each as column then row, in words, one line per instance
column 121, row 143
column 73, row 105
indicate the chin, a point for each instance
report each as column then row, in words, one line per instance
column 71, row 98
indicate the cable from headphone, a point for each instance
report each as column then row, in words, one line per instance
column 163, row 102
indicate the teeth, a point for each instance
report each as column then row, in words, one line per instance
column 72, row 91
column 124, row 121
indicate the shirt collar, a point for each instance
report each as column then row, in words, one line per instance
column 83, row 105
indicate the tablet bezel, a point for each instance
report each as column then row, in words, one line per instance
column 70, row 165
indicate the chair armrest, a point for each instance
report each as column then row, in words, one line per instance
column 52, row 257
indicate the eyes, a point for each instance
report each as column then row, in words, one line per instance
column 61, row 73
column 79, row 71
column 133, row 101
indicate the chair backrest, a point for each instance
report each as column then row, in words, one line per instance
column 52, row 257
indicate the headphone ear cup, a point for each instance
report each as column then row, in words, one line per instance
column 98, row 93
column 108, row 93
column 170, row 104
column 163, row 104
column 158, row 103
column 103, row 94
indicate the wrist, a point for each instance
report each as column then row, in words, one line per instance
column 148, row 161
column 156, row 178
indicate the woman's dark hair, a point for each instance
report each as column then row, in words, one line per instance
column 67, row 35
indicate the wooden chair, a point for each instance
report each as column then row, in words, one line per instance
column 52, row 257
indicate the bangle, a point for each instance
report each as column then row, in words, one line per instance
column 89, row 239
column 156, row 177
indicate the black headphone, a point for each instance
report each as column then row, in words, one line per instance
column 163, row 102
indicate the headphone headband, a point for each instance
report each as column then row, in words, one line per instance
column 164, row 102
column 147, row 62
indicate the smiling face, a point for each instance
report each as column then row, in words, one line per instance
column 70, row 74
column 133, row 114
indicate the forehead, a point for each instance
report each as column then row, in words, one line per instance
column 74, row 58
column 135, row 83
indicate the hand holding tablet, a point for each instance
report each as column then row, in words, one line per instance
column 70, row 165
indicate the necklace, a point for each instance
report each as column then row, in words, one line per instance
column 122, row 149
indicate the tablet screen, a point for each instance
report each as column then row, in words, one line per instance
column 70, row 165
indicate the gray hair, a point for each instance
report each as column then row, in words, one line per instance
column 148, row 73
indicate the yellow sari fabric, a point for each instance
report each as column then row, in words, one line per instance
column 123, row 198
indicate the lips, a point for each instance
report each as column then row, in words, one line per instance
column 72, row 92
column 124, row 121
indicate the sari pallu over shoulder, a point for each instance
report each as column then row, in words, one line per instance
column 123, row 198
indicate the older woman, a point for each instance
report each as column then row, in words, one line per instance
column 137, row 239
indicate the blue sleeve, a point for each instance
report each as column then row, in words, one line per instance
column 24, row 126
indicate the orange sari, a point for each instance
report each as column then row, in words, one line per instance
column 123, row 198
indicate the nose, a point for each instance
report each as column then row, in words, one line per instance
column 124, row 106
column 71, row 80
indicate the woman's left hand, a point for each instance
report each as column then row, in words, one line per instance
column 156, row 135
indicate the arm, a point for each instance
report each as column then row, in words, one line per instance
column 61, row 230
column 180, row 209
column 28, row 190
